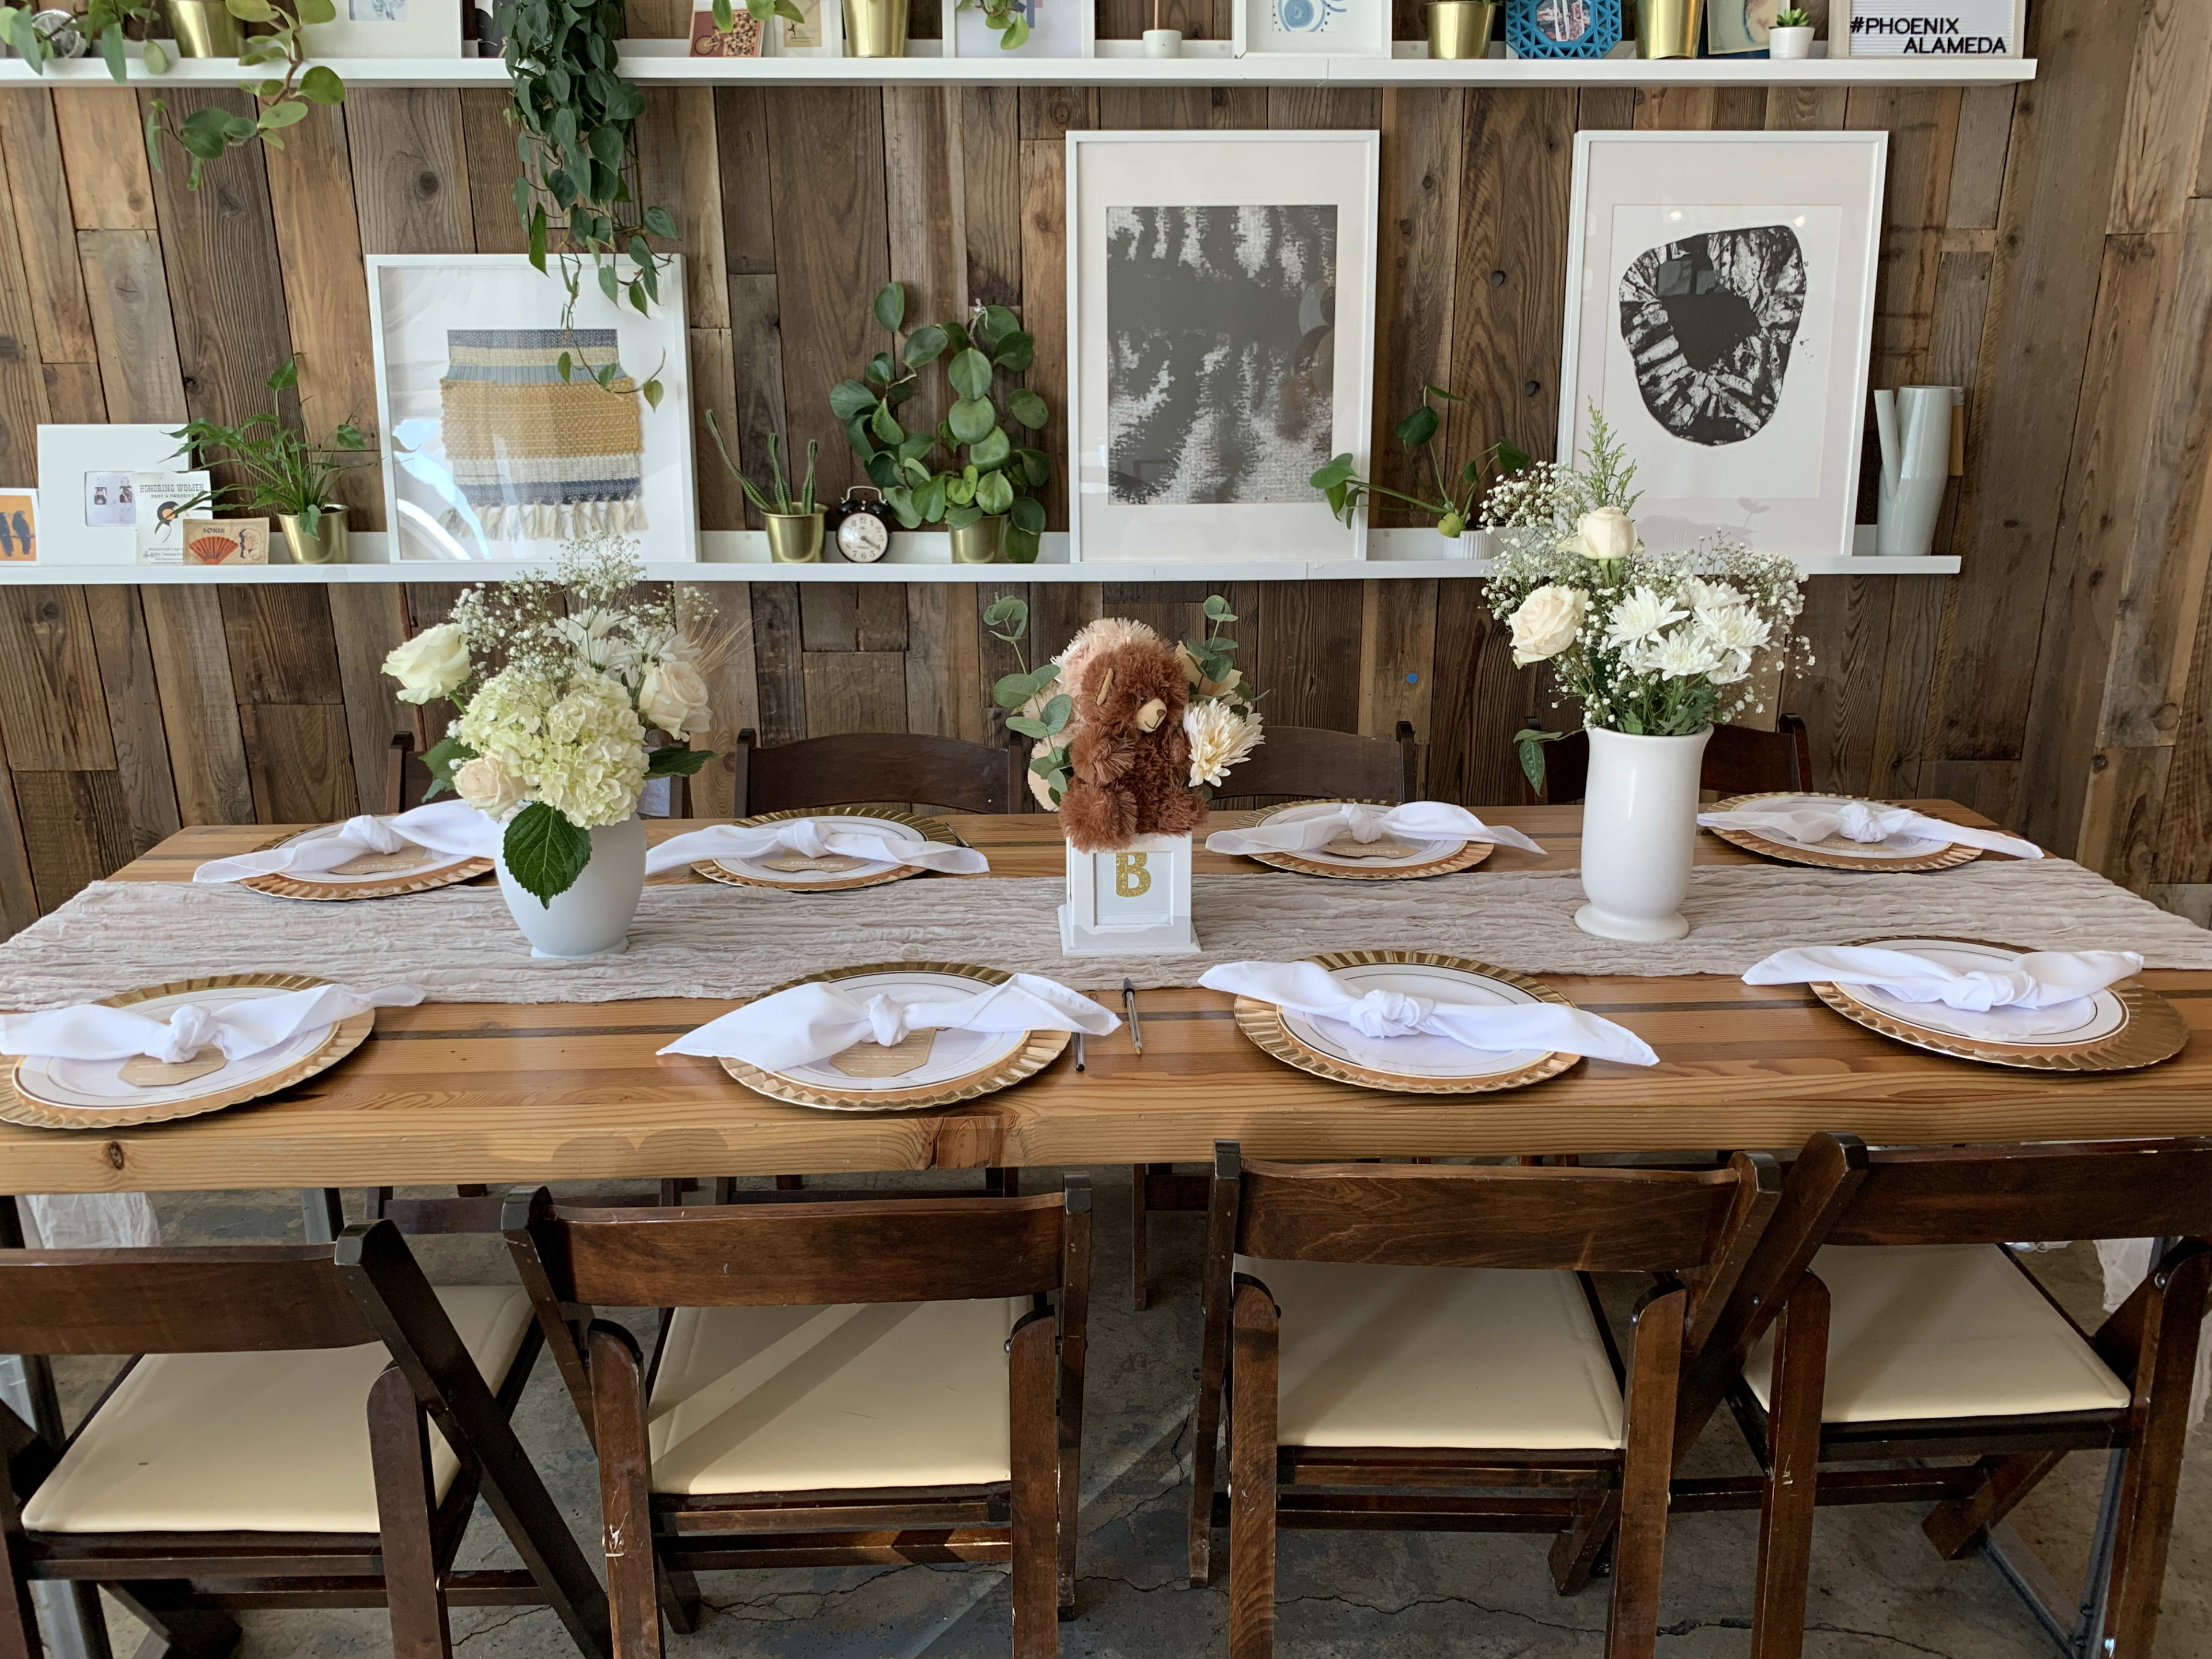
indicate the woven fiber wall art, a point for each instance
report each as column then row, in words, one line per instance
column 535, row 456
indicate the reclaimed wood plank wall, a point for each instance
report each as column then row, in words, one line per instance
column 2050, row 248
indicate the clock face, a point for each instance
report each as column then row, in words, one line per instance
column 863, row 539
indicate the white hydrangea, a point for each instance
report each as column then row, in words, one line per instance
column 592, row 764
column 506, row 720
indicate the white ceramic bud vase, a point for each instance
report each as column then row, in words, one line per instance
column 1639, row 830
column 592, row 918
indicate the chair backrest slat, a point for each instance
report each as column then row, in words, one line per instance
column 2000, row 1194
column 213, row 1300
column 1739, row 760
column 1314, row 762
column 855, row 769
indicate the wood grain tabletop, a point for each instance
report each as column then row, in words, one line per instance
column 506, row 1092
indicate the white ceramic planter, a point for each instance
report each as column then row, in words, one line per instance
column 1162, row 43
column 1790, row 43
column 1639, row 829
column 592, row 918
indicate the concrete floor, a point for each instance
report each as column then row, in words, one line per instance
column 1878, row 1590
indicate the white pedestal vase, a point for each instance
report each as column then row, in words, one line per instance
column 1639, row 830
column 1132, row 902
column 592, row 918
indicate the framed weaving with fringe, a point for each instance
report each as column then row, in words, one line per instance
column 508, row 433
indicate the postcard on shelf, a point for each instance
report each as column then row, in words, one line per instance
column 225, row 541
column 162, row 499
column 19, row 527
column 85, row 475
column 741, row 39
column 389, row 28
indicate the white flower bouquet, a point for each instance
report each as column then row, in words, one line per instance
column 561, row 681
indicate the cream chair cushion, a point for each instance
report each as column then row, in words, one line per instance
column 253, row 1441
column 1920, row 1332
column 1463, row 1356
column 828, row 1399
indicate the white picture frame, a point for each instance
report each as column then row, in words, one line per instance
column 1779, row 463
column 825, row 36
column 1057, row 28
column 1331, row 28
column 2011, row 14
column 527, row 508
column 1135, row 495
column 71, row 532
column 369, row 28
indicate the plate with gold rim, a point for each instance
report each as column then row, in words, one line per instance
column 113, row 1094
column 795, row 872
column 2122, row 1027
column 1898, row 854
column 371, row 875
column 1391, row 859
column 930, row 1068
column 1311, row 1045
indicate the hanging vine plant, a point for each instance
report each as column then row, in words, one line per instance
column 575, row 122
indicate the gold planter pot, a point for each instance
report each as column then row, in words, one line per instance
column 875, row 29
column 204, row 29
column 793, row 537
column 1668, row 28
column 1460, row 28
column 330, row 544
column 984, row 542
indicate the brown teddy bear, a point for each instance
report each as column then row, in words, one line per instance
column 1129, row 756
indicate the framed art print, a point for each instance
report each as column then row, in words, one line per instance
column 490, row 452
column 1736, row 28
column 19, row 527
column 1340, row 28
column 89, row 489
column 1221, row 330
column 1719, row 311
column 1927, row 28
column 389, row 28
column 1057, row 28
column 1562, row 28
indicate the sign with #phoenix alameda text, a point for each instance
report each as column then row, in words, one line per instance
column 1933, row 28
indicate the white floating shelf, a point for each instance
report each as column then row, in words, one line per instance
column 668, row 62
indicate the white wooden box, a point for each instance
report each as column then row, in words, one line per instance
column 1132, row 903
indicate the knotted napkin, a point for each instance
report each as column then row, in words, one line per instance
column 812, row 838
column 453, row 828
column 2035, row 993
column 1389, row 1029
column 809, row 1023
column 1417, row 820
column 1813, row 823
column 247, row 1027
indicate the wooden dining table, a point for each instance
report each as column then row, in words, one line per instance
column 502, row 1092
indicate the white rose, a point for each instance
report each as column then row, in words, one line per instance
column 673, row 696
column 433, row 664
column 487, row 785
column 1546, row 622
column 1606, row 532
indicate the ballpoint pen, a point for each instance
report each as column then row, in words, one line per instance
column 1129, row 1007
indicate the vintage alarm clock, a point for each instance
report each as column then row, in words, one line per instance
column 863, row 528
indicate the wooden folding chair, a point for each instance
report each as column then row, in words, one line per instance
column 858, row 768
column 1881, row 1320
column 1410, row 1327
column 835, row 1382
column 272, row 1444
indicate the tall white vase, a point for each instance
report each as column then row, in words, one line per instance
column 1639, row 829
column 592, row 918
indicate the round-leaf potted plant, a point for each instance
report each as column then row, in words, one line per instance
column 283, row 474
column 1450, row 505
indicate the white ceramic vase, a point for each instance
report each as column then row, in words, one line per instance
column 1162, row 43
column 592, row 918
column 1639, row 829
column 1790, row 43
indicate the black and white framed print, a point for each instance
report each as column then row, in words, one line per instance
column 1221, row 312
column 1719, row 311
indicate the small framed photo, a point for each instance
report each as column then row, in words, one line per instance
column 225, row 541
column 163, row 501
column 743, row 39
column 389, row 28
column 1563, row 28
column 1057, row 28
column 19, row 527
column 1936, row 29
column 1737, row 29
column 1339, row 28
column 89, row 492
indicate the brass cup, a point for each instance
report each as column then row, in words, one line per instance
column 981, row 542
column 330, row 544
column 793, row 537
column 1460, row 28
column 875, row 29
column 1668, row 28
column 204, row 29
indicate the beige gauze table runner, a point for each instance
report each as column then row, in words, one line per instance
column 727, row 943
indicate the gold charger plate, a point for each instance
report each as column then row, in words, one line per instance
column 309, row 887
column 1789, row 853
column 935, row 830
column 1262, row 1021
column 1468, row 854
column 2152, row 1030
column 18, row 1106
column 1036, row 1051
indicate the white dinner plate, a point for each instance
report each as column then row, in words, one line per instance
column 952, row 1054
column 95, row 1084
column 1414, row 1056
column 1900, row 845
column 2086, row 1019
column 374, row 869
column 763, row 869
column 1417, row 852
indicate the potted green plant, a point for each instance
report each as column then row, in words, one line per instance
column 984, row 492
column 1005, row 19
column 793, row 521
column 1791, row 34
column 283, row 474
column 1453, row 513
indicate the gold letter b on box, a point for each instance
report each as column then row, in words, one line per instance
column 1131, row 878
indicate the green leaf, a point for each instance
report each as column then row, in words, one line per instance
column 287, row 374
column 203, row 133
column 1021, row 545
column 993, row 450
column 111, row 48
column 544, row 853
column 1511, row 458
column 886, row 428
column 972, row 419
column 1028, row 514
column 961, row 516
column 929, row 500
column 1026, row 406
column 1015, row 353
column 916, row 446
column 1007, row 608
column 1436, row 390
column 1217, row 609
column 882, row 472
column 890, row 306
column 316, row 11
column 1012, row 690
column 321, row 85
column 1037, row 467
column 156, row 60
column 912, row 470
column 653, row 391
column 848, row 399
column 564, row 366
column 925, row 345
column 993, row 494
column 970, row 374
column 881, row 369
column 994, row 324
column 789, row 11
column 251, row 11
column 609, row 284
column 901, row 502
column 676, row 763
column 1417, row 427
column 960, row 492
column 1026, row 727
column 441, row 757
column 1056, row 713
column 291, row 113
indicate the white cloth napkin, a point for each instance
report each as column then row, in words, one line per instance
column 2039, row 992
column 813, row 838
column 1813, row 823
column 1417, row 820
column 812, row 1022
column 1387, row 1029
column 90, row 1031
column 450, row 826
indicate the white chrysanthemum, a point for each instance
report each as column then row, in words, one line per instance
column 592, row 764
column 1701, row 595
column 1734, row 668
column 1733, row 627
column 1641, row 615
column 1220, row 737
column 1683, row 655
